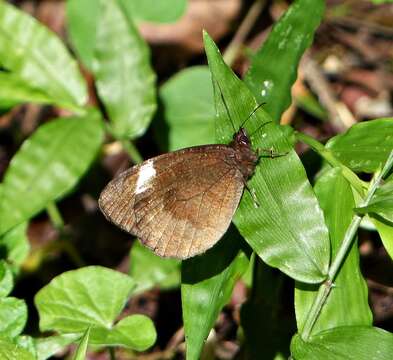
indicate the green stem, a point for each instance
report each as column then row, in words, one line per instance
column 54, row 215
column 325, row 288
column 233, row 48
column 132, row 151
column 328, row 155
column 112, row 355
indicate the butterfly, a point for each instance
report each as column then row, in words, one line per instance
column 181, row 203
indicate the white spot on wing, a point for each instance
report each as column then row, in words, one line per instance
column 145, row 174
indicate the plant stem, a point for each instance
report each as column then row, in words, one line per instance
column 132, row 151
column 54, row 215
column 325, row 288
column 328, row 155
column 112, row 355
column 237, row 42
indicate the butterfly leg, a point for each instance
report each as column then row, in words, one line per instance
column 253, row 195
column 270, row 153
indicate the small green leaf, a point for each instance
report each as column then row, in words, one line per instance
column 14, row 90
column 10, row 351
column 82, row 29
column 13, row 316
column 273, row 68
column 6, row 279
column 207, row 284
column 282, row 231
column 36, row 55
column 124, row 78
column 157, row 271
column 48, row 165
column 158, row 11
column 188, row 102
column 381, row 203
column 80, row 353
column 48, row 346
column 78, row 299
column 347, row 304
column 385, row 231
column 347, row 342
column 365, row 146
column 15, row 245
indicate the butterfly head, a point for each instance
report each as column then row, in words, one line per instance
column 246, row 158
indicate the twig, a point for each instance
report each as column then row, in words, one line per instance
column 234, row 46
column 55, row 216
column 132, row 151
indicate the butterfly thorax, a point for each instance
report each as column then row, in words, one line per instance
column 245, row 157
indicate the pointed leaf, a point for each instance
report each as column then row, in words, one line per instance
column 157, row 271
column 273, row 68
column 13, row 316
column 124, row 78
column 207, row 284
column 36, row 55
column 288, row 230
column 365, row 146
column 347, row 342
column 80, row 353
column 347, row 303
column 48, row 165
column 385, row 231
column 189, row 115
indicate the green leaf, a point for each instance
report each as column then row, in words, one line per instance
column 273, row 68
column 207, row 284
column 26, row 342
column 158, row 11
column 6, row 279
column 157, row 271
column 189, row 115
column 13, row 316
column 78, row 299
column 48, row 346
column 82, row 28
column 36, row 55
column 347, row 304
column 287, row 231
column 15, row 246
column 124, row 78
column 365, row 146
column 80, row 353
column 48, row 165
column 385, row 231
column 14, row 90
column 349, row 342
column 381, row 203
column 10, row 351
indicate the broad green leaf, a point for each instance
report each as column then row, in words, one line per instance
column 78, row 299
column 13, row 316
column 26, row 342
column 385, row 231
column 80, row 353
column 347, row 342
column 48, row 346
column 14, row 90
column 347, row 304
column 48, row 165
column 365, row 146
column 157, row 271
column 82, row 21
column 267, row 324
column 188, row 107
column 381, row 203
column 207, row 284
column 158, row 11
column 273, row 68
column 124, row 78
column 36, row 55
column 6, row 279
column 287, row 230
column 15, row 246
column 10, row 351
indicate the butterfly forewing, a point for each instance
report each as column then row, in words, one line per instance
column 179, row 204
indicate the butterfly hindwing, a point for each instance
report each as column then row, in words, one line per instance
column 178, row 204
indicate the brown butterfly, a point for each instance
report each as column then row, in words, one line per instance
column 181, row 203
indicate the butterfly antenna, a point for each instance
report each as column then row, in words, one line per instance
column 252, row 113
column 226, row 107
